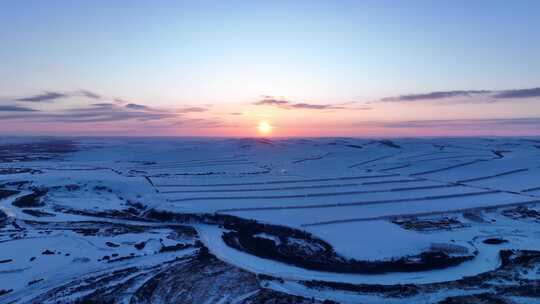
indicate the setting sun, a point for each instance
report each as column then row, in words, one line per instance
column 264, row 128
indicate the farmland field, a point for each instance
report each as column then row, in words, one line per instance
column 341, row 220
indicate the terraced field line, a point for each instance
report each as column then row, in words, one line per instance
column 446, row 157
column 209, row 198
column 261, row 189
column 201, row 165
column 372, row 160
column 492, row 176
column 282, row 181
column 448, row 168
column 395, row 168
column 425, row 154
column 395, row 181
column 167, row 164
column 531, row 189
column 364, row 203
column 405, row 215
column 311, row 158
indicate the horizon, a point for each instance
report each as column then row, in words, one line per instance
column 260, row 137
column 279, row 70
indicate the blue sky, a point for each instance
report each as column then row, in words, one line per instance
column 230, row 53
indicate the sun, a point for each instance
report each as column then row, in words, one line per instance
column 264, row 127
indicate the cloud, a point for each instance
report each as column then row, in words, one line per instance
column 198, row 122
column 101, row 112
column 44, row 97
column 271, row 102
column 191, row 110
column 364, row 108
column 491, row 96
column 107, row 112
column 436, row 95
column 120, row 100
column 135, row 106
column 520, row 93
column 104, row 111
column 303, row 105
column 89, row 94
column 103, row 104
column 49, row 96
column 285, row 104
column 16, row 109
column 460, row 124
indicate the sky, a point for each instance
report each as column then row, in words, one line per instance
column 304, row 68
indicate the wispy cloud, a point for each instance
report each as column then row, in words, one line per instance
column 461, row 124
column 94, row 113
column 303, row 105
column 191, row 110
column 286, row 104
column 436, row 95
column 490, row 95
column 44, row 97
column 80, row 110
column 269, row 101
column 521, row 93
column 135, row 106
column 198, row 122
column 120, row 100
column 16, row 109
column 109, row 112
column 90, row 94
column 50, row 96
column 103, row 104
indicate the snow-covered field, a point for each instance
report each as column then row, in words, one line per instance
column 340, row 219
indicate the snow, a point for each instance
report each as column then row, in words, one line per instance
column 343, row 191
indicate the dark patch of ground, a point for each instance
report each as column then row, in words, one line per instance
column 445, row 223
column 481, row 298
column 8, row 193
column 474, row 216
column 31, row 200
column 3, row 217
column 387, row 143
column 34, row 282
column 15, row 184
column 522, row 212
column 267, row 296
column 175, row 247
column 494, row 241
column 5, row 291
